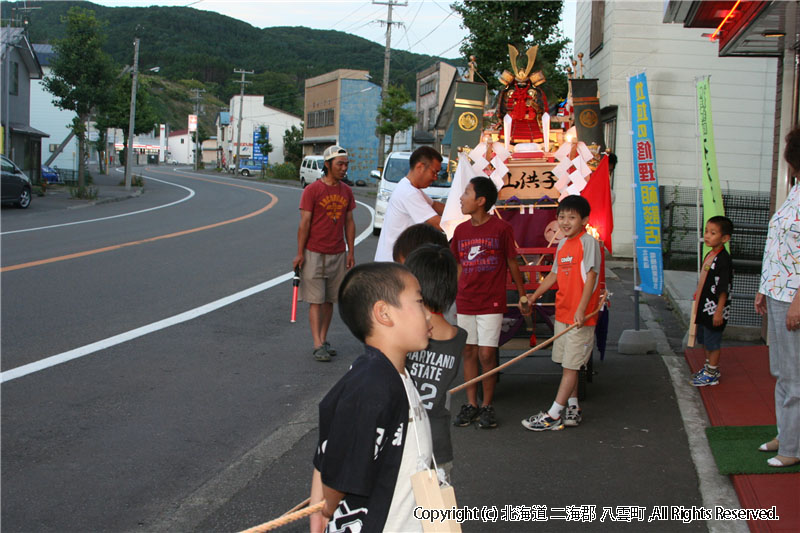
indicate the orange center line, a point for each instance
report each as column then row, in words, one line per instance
column 273, row 201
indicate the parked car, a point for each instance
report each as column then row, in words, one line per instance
column 396, row 168
column 50, row 174
column 246, row 167
column 15, row 186
column 311, row 169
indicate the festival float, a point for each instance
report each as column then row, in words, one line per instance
column 535, row 160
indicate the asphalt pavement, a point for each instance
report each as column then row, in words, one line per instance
column 640, row 446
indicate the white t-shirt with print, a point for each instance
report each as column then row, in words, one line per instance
column 407, row 206
column 401, row 512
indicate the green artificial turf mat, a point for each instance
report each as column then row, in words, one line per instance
column 735, row 450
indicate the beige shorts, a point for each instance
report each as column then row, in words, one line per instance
column 574, row 348
column 321, row 276
column 482, row 330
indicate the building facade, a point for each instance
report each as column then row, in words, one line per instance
column 341, row 107
column 180, row 147
column 432, row 86
column 254, row 115
column 19, row 141
column 620, row 39
column 54, row 121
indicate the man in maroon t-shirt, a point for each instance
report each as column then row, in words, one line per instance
column 326, row 221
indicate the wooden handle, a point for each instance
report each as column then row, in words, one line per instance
column 286, row 519
column 521, row 356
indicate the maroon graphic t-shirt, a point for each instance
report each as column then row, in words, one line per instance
column 482, row 251
column 328, row 206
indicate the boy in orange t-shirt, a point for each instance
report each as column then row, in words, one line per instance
column 576, row 267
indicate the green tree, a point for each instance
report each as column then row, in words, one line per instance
column 80, row 75
column 394, row 117
column 494, row 25
column 292, row 149
column 263, row 141
column 115, row 112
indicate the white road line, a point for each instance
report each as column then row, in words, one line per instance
column 76, row 353
column 185, row 198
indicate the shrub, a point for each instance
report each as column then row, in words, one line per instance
column 284, row 171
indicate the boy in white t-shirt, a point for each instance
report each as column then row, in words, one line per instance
column 408, row 205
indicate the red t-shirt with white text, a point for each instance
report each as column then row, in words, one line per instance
column 483, row 252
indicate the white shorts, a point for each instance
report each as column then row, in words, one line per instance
column 483, row 330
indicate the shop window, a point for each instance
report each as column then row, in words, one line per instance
column 14, row 90
column 596, row 30
column 432, row 117
column 320, row 119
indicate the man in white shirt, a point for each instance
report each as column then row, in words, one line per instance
column 408, row 205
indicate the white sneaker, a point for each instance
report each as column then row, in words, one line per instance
column 573, row 416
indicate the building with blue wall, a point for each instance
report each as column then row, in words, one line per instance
column 341, row 108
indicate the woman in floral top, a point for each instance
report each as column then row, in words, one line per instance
column 779, row 296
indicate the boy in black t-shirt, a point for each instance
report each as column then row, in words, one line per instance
column 436, row 367
column 362, row 464
column 712, row 298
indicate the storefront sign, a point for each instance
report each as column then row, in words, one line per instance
column 647, row 216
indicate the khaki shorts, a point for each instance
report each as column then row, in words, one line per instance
column 574, row 348
column 482, row 330
column 321, row 276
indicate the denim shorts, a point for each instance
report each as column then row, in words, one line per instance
column 710, row 339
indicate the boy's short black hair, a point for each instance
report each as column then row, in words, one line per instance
column 484, row 188
column 423, row 154
column 362, row 286
column 415, row 236
column 576, row 203
column 437, row 273
column 724, row 224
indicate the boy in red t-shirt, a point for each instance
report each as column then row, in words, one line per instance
column 484, row 249
column 576, row 266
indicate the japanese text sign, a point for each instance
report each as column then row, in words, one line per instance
column 647, row 215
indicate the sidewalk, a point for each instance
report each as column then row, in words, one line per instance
column 109, row 189
column 744, row 397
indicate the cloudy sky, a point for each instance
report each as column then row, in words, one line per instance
column 429, row 26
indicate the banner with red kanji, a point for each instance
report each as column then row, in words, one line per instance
column 647, row 216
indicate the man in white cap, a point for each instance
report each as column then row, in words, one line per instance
column 326, row 222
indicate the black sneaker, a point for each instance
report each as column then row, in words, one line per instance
column 467, row 415
column 486, row 418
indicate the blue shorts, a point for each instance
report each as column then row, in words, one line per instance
column 709, row 338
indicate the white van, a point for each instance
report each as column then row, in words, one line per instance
column 396, row 168
column 311, row 169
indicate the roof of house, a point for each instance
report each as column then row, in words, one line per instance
column 224, row 118
column 17, row 38
column 44, row 53
column 178, row 132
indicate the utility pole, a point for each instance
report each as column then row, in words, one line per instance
column 386, row 62
column 132, row 120
column 197, row 99
column 241, row 105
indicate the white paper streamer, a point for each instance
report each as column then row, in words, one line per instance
column 546, row 132
column 500, row 171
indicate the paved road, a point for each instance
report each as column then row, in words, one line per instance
column 115, row 440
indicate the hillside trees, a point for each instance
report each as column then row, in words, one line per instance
column 80, row 74
column 495, row 25
column 394, row 117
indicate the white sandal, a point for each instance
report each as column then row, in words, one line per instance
column 779, row 461
column 771, row 446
